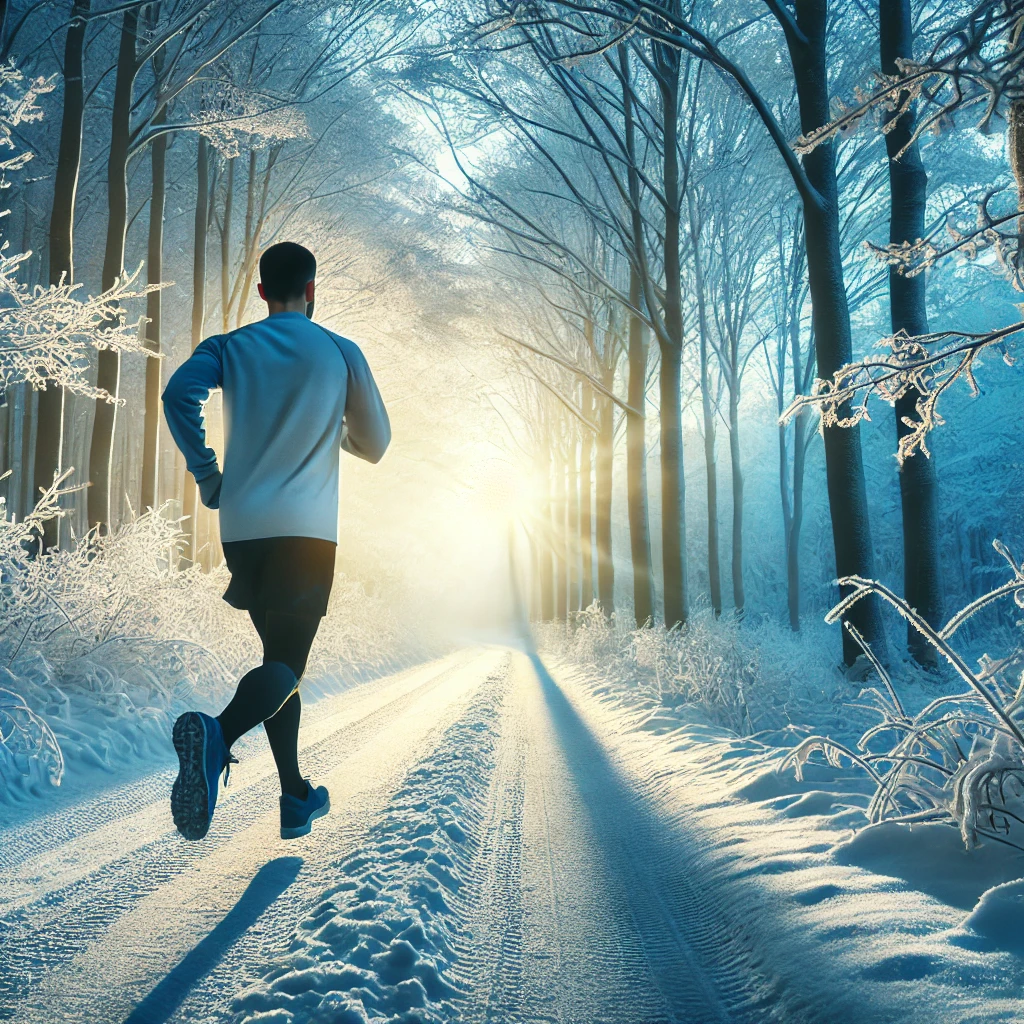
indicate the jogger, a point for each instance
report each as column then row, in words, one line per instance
column 295, row 394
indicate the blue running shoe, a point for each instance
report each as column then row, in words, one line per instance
column 202, row 756
column 297, row 815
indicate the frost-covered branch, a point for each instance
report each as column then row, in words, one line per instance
column 987, row 234
column 45, row 333
column 978, row 62
column 962, row 756
column 922, row 363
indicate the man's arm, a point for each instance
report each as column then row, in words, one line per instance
column 368, row 429
column 183, row 398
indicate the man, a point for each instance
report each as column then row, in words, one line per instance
column 294, row 394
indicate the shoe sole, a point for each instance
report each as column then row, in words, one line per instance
column 190, row 794
column 304, row 830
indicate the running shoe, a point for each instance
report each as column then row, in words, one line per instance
column 297, row 815
column 202, row 756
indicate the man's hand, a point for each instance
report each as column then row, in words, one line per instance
column 209, row 489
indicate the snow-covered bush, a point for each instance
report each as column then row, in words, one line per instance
column 753, row 677
column 102, row 644
column 960, row 758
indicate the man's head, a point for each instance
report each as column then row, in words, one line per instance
column 287, row 272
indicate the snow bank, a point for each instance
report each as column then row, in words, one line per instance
column 380, row 945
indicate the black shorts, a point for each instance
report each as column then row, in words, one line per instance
column 282, row 574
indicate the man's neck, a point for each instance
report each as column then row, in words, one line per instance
column 293, row 306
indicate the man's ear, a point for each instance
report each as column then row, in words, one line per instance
column 263, row 294
column 310, row 291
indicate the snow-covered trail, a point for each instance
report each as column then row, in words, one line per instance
column 490, row 856
column 587, row 910
column 94, row 919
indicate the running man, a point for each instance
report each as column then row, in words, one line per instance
column 294, row 394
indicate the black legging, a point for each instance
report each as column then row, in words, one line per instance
column 269, row 693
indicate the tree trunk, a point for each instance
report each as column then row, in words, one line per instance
column 586, row 514
column 796, row 521
column 225, row 248
column 673, row 497
column 558, row 516
column 672, row 486
column 636, row 421
column 154, row 311
column 544, row 544
column 603, row 492
column 908, row 187
column 636, row 463
column 101, row 452
column 61, row 238
column 738, row 592
column 572, row 536
column 202, row 220
column 707, row 408
column 848, row 505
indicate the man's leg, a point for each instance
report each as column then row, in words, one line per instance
column 268, row 693
column 288, row 639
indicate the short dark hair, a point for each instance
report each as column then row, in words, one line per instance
column 285, row 270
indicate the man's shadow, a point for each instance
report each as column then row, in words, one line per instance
column 267, row 885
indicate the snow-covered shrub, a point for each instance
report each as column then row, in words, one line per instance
column 753, row 677
column 960, row 758
column 102, row 644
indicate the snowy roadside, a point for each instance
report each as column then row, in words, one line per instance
column 902, row 915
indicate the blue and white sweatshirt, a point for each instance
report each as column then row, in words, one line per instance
column 294, row 395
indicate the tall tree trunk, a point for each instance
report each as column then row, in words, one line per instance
column 796, row 521
column 636, row 463
column 586, row 513
column 225, row 247
column 572, row 537
column 62, row 218
column 673, row 497
column 708, row 411
column 202, row 220
column 603, row 495
column 844, row 464
column 545, row 541
column 101, row 451
column 908, row 188
column 558, row 515
column 738, row 593
column 154, row 329
column 536, row 594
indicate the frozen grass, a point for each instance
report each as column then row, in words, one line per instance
column 101, row 645
column 755, row 677
column 960, row 757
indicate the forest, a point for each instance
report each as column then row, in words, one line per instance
column 697, row 325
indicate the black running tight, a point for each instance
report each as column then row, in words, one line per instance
column 269, row 693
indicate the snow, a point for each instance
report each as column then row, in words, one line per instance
column 902, row 915
column 512, row 838
column 380, row 942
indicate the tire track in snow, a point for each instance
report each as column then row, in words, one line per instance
column 108, row 917
column 35, row 853
column 489, row 947
column 590, row 909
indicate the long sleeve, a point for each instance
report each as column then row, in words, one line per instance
column 183, row 398
column 368, row 429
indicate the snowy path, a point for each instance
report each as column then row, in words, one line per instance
column 495, row 853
